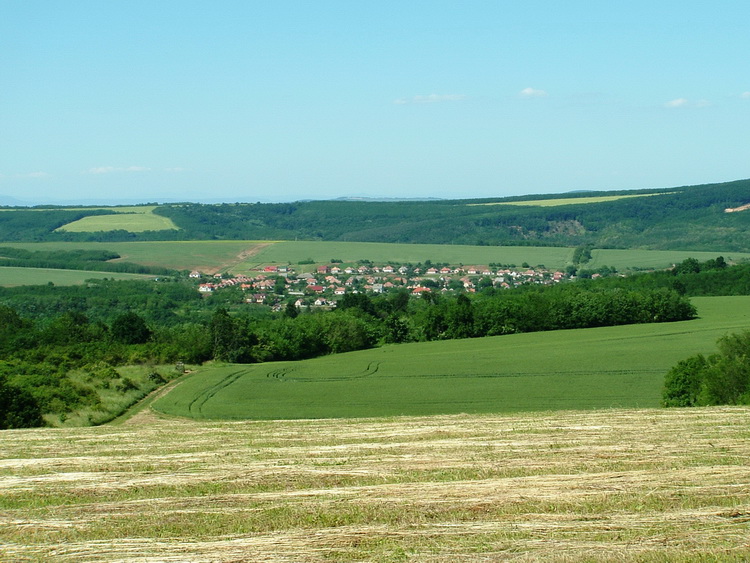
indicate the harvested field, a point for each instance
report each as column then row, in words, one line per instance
column 620, row 485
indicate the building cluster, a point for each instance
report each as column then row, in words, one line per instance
column 322, row 286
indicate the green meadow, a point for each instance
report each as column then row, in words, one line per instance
column 654, row 259
column 293, row 252
column 206, row 256
column 133, row 219
column 607, row 367
column 39, row 276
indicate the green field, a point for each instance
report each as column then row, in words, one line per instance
column 566, row 200
column 207, row 256
column 608, row 367
column 351, row 252
column 133, row 219
column 245, row 256
column 40, row 276
column 653, row 259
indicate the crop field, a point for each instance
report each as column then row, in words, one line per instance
column 566, row 200
column 133, row 219
column 207, row 256
column 575, row 369
column 654, row 259
column 242, row 257
column 607, row 485
column 10, row 276
column 351, row 252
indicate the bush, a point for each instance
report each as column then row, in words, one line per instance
column 720, row 379
column 18, row 408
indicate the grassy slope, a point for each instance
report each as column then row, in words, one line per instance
column 576, row 369
column 579, row 200
column 350, row 252
column 207, row 256
column 39, row 276
column 654, row 259
column 610, row 485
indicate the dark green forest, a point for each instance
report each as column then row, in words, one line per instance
column 61, row 346
column 683, row 218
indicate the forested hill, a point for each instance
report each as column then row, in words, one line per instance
column 690, row 218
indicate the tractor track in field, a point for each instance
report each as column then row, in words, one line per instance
column 195, row 408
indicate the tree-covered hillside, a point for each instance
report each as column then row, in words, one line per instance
column 687, row 218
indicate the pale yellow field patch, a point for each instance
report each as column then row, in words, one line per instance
column 568, row 201
column 133, row 219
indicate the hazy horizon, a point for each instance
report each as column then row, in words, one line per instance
column 247, row 101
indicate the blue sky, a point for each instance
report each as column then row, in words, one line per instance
column 278, row 101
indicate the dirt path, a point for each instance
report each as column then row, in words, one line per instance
column 242, row 257
column 740, row 208
column 141, row 413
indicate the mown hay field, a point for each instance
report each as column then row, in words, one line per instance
column 621, row 366
column 604, row 485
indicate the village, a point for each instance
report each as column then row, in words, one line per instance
column 325, row 284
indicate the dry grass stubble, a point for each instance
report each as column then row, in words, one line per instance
column 566, row 486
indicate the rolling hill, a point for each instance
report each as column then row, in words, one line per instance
column 679, row 218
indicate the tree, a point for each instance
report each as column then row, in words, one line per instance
column 357, row 301
column 397, row 329
column 461, row 318
column 291, row 310
column 682, row 384
column 222, row 331
column 18, row 408
column 720, row 379
column 130, row 328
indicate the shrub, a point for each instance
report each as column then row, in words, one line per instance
column 720, row 379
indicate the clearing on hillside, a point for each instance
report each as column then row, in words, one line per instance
column 568, row 200
column 132, row 219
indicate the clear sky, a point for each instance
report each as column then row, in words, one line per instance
column 283, row 100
